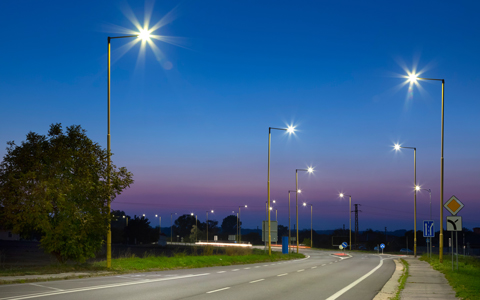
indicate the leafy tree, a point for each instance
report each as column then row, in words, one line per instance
column 57, row 184
column 140, row 231
column 229, row 225
column 184, row 225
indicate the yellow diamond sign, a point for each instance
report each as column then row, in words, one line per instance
column 453, row 205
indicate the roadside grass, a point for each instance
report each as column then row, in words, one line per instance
column 183, row 261
column 209, row 257
column 402, row 280
column 465, row 281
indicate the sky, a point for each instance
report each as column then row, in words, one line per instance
column 190, row 116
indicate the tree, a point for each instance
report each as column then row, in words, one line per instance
column 58, row 184
column 229, row 225
column 184, row 224
column 140, row 231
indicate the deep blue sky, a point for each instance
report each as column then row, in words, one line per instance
column 195, row 134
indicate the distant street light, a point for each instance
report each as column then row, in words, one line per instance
column 311, row 224
column 159, row 223
column 413, row 78
column 290, row 130
column 398, row 147
column 238, row 223
column 349, row 215
column 430, row 193
column 309, row 170
column 207, row 223
column 289, row 236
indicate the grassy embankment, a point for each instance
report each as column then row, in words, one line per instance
column 181, row 260
column 465, row 281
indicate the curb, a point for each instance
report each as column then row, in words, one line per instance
column 390, row 288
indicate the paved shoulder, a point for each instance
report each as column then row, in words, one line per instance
column 425, row 283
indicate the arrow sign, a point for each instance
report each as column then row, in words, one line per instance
column 382, row 246
column 454, row 223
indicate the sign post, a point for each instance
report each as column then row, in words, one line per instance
column 454, row 222
column 382, row 246
column 428, row 232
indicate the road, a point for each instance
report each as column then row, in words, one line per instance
column 319, row 276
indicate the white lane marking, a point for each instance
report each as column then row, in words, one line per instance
column 225, row 288
column 314, row 267
column 282, row 274
column 273, row 264
column 221, row 271
column 99, row 287
column 301, row 270
column 234, row 270
column 265, row 265
column 257, row 267
column 257, row 280
column 324, row 265
column 351, row 285
column 246, row 268
column 44, row 286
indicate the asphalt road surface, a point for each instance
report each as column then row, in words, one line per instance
column 319, row 276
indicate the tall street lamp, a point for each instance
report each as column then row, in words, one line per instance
column 239, row 221
column 311, row 224
column 207, row 223
column 413, row 78
column 289, row 236
column 144, row 35
column 349, row 216
column 290, row 130
column 309, row 170
column 159, row 223
column 398, row 147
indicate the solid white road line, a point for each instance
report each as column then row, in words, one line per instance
column 351, row 285
column 282, row 274
column 225, row 288
column 98, row 287
column 44, row 286
column 257, row 280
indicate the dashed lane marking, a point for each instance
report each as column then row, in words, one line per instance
column 221, row 271
column 214, row 291
column 257, row 280
column 284, row 274
column 44, row 286
column 301, row 270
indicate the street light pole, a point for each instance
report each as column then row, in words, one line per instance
column 207, row 225
column 397, row 147
column 309, row 170
column 413, row 78
column 238, row 223
column 290, row 129
column 289, row 236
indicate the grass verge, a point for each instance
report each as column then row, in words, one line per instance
column 465, row 281
column 155, row 263
column 402, row 280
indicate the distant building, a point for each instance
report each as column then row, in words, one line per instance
column 476, row 230
column 7, row 235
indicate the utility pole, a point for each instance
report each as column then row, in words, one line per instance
column 356, row 221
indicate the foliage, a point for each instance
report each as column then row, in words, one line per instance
column 465, row 281
column 139, row 231
column 306, row 242
column 229, row 225
column 57, row 185
column 403, row 279
column 184, row 225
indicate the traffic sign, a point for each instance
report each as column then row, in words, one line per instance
column 382, row 246
column 340, row 247
column 428, row 228
column 454, row 223
column 453, row 205
column 344, row 244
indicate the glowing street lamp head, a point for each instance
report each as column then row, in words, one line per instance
column 304, row 204
column 191, row 214
column 156, row 216
column 417, row 188
column 212, row 211
column 310, row 170
column 245, row 205
column 271, row 208
column 144, row 215
column 299, row 191
column 412, row 78
column 341, row 195
column 396, row 147
column 144, row 34
column 291, row 129
column 274, row 201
